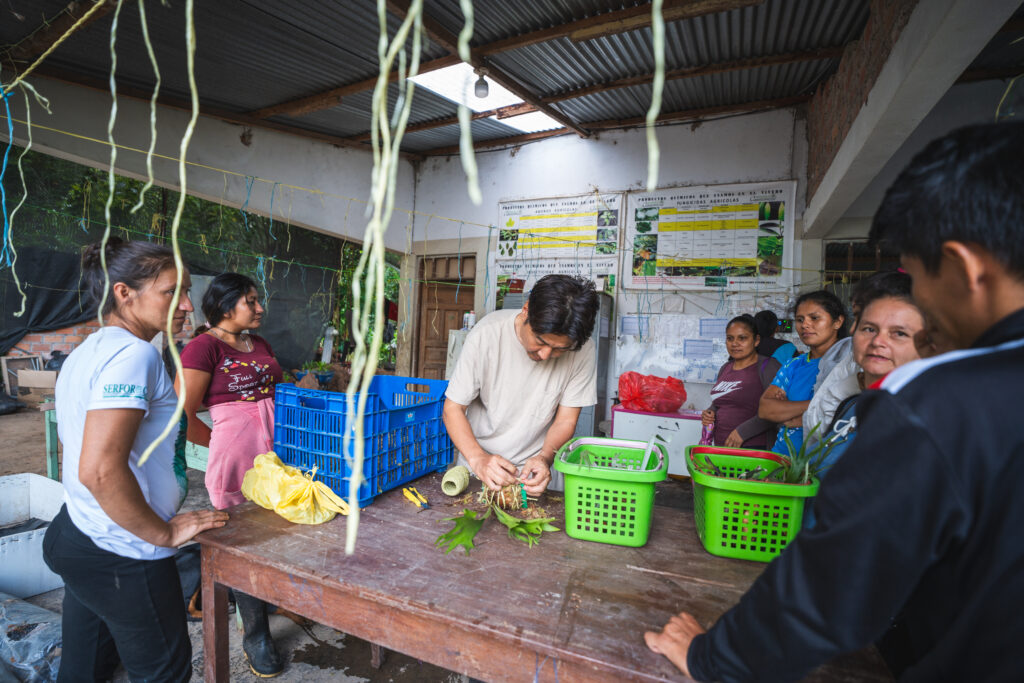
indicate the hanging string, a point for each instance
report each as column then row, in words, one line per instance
column 111, row 183
column 386, row 144
column 459, row 249
column 466, row 154
column 179, row 265
column 271, row 228
column 314, row 191
column 288, row 223
column 152, row 107
column 261, row 275
column 658, row 85
column 249, row 181
column 24, row 195
column 5, row 255
column 538, row 666
column 74, row 27
column 487, row 274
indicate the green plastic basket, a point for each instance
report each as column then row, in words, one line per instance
column 743, row 518
column 609, row 489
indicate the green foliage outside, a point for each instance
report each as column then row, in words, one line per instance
column 297, row 269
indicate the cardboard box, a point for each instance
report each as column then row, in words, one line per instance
column 23, row 573
column 37, row 379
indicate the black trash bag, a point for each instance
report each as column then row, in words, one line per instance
column 9, row 404
column 30, row 640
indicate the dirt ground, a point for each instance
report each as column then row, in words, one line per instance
column 314, row 653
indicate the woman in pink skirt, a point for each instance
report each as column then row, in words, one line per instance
column 233, row 373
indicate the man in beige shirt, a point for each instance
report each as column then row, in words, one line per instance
column 520, row 383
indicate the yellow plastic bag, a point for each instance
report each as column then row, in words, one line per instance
column 290, row 493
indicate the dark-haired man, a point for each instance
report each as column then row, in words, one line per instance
column 520, row 383
column 917, row 541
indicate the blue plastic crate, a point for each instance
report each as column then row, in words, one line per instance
column 405, row 437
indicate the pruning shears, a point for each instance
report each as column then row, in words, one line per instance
column 415, row 497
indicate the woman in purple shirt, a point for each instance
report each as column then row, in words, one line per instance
column 738, row 389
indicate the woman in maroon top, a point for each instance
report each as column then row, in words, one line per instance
column 233, row 373
column 738, row 389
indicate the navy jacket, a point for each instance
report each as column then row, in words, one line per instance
column 921, row 523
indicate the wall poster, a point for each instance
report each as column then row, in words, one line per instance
column 712, row 236
column 576, row 235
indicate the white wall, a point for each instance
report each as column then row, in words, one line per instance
column 341, row 175
column 766, row 146
column 962, row 105
column 749, row 148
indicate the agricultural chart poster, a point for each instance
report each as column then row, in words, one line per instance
column 567, row 235
column 735, row 237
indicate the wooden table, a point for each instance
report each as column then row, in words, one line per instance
column 564, row 610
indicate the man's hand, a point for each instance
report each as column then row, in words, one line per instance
column 707, row 417
column 494, row 471
column 186, row 525
column 536, row 475
column 734, row 440
column 674, row 640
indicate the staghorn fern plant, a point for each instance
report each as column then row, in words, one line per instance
column 805, row 463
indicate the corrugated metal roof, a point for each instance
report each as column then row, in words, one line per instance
column 256, row 53
column 250, row 54
column 448, row 136
column 775, row 27
column 352, row 116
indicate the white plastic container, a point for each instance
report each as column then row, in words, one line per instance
column 22, row 497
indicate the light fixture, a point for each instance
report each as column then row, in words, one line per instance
column 481, row 88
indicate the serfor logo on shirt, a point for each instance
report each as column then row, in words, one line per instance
column 124, row 391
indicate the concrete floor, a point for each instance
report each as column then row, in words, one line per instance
column 314, row 653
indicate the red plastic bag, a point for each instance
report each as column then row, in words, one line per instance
column 650, row 394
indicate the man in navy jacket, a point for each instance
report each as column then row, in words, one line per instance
column 918, row 542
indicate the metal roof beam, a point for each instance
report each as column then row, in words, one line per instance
column 500, row 113
column 41, row 38
column 499, row 142
column 683, row 115
column 690, row 114
column 690, row 72
column 704, row 70
column 673, row 10
column 442, row 36
column 619, row 21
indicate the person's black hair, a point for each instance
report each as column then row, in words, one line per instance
column 832, row 305
column 963, row 187
column 884, row 284
column 133, row 263
column 564, row 305
column 767, row 323
column 223, row 294
column 747, row 320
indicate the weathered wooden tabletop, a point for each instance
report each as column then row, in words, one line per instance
column 563, row 610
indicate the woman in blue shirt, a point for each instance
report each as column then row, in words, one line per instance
column 820, row 321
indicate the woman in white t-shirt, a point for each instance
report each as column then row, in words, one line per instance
column 113, row 541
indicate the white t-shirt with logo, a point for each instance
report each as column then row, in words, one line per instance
column 512, row 399
column 113, row 368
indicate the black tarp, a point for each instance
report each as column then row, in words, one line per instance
column 298, row 303
column 50, row 279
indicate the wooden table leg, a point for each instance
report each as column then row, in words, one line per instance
column 50, row 428
column 215, row 624
column 377, row 655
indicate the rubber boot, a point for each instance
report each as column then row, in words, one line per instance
column 257, row 643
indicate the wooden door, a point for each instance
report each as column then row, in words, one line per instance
column 443, row 301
